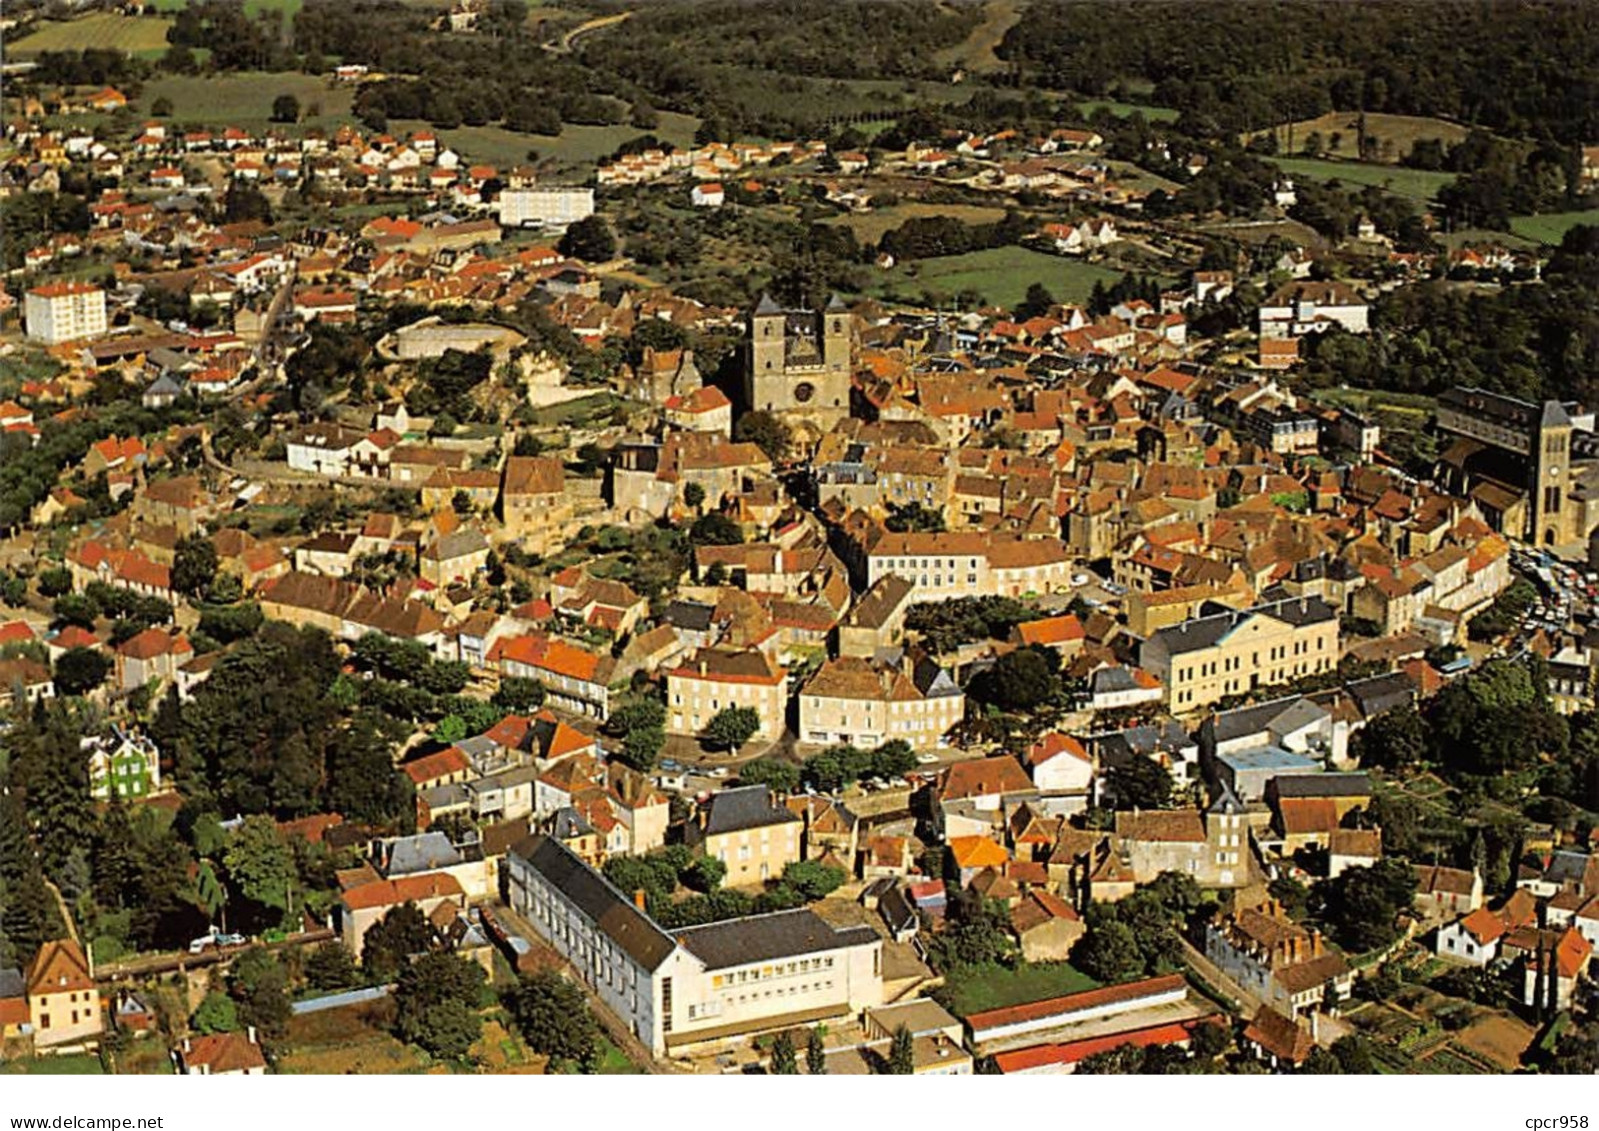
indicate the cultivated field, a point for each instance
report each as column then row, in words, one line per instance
column 1395, row 133
column 976, row 51
column 1001, row 275
column 245, row 99
column 575, row 145
column 1417, row 184
column 136, row 35
column 340, row 1041
column 1551, row 228
column 870, row 226
column 251, row 7
column 1128, row 109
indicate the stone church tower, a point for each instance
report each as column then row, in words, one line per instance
column 799, row 365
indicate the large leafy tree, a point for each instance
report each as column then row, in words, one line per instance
column 261, row 864
column 732, row 727
column 393, row 939
column 555, row 1020
column 194, row 565
column 436, row 1002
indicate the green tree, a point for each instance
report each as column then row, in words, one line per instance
column 705, row 874
column 194, row 565
column 1109, row 953
column 393, row 939
column 519, row 695
column 218, row 1013
column 641, row 747
column 732, row 727
column 1362, row 905
column 436, row 1002
column 554, row 1018
column 780, row 776
column 1018, row 681
column 261, row 864
column 902, row 1053
column 286, row 108
column 693, row 495
column 81, row 670
column 1037, row 302
column 812, row 879
column 715, row 529
column 1140, row 782
column 816, row 1053
column 331, row 967
column 784, row 1062
column 765, row 431
column 589, row 239
column 259, row 983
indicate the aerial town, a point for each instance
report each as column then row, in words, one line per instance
column 906, row 540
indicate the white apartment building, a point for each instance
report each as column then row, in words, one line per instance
column 548, row 206
column 65, row 312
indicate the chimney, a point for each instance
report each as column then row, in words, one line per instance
column 186, row 1045
column 638, row 899
column 1315, row 1026
column 250, row 1032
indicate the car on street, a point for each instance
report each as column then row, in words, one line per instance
column 926, row 759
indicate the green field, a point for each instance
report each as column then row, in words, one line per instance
column 75, row 1065
column 1127, row 110
column 576, row 145
column 1417, row 184
column 613, row 1061
column 245, row 99
column 135, row 35
column 1551, row 228
column 1001, row 275
column 251, row 7
column 974, row 989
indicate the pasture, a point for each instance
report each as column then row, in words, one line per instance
column 137, row 35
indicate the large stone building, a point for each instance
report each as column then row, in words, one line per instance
column 694, row 985
column 714, row 679
column 799, row 365
column 1235, row 651
column 1515, row 460
column 749, row 832
column 864, row 704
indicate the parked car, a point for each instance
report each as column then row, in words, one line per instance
column 926, row 759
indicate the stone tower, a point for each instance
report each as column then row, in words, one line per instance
column 798, row 365
column 1554, row 519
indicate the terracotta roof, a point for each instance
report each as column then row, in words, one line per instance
column 432, row 767
column 1280, row 1036
column 224, row 1052
column 977, row 852
column 1001, row 774
column 1074, row 1003
column 406, row 889
column 59, row 965
column 1052, row 630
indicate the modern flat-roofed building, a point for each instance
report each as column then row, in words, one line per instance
column 546, row 206
column 65, row 312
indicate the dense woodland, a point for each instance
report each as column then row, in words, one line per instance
column 1527, row 69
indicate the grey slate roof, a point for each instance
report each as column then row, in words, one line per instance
column 761, row 938
column 1322, row 785
column 612, row 912
column 421, row 853
column 1382, row 693
column 12, row 983
column 1208, row 631
column 746, row 807
column 690, row 615
column 1283, row 715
